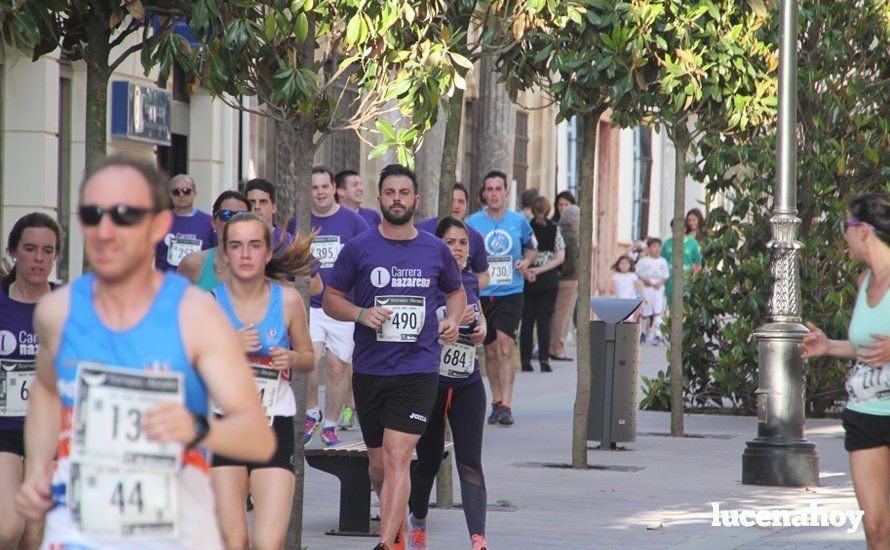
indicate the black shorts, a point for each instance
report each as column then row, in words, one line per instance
column 12, row 441
column 865, row 431
column 402, row 402
column 284, row 451
column 502, row 313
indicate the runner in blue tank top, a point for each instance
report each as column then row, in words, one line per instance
column 866, row 418
column 33, row 243
column 271, row 320
column 128, row 360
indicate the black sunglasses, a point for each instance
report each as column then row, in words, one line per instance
column 121, row 214
column 226, row 215
column 181, row 192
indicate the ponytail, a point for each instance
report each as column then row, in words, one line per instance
column 296, row 260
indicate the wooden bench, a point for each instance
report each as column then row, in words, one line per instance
column 349, row 462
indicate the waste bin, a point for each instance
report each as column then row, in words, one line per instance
column 614, row 370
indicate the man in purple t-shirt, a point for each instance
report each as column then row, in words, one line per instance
column 261, row 194
column 395, row 273
column 350, row 191
column 192, row 229
column 477, row 261
column 334, row 226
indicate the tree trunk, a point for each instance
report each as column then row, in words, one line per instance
column 582, row 307
column 497, row 129
column 680, row 137
column 96, row 130
column 454, row 110
column 427, row 161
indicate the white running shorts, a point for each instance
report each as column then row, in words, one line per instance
column 654, row 304
column 335, row 335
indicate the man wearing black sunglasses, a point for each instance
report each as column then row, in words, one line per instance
column 132, row 358
column 192, row 229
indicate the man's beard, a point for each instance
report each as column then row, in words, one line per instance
column 396, row 219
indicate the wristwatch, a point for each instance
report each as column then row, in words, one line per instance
column 201, row 428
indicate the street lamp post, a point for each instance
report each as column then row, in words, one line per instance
column 780, row 455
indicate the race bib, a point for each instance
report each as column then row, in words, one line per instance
column 15, row 387
column 406, row 322
column 866, row 384
column 123, row 503
column 500, row 270
column 266, row 379
column 325, row 249
column 180, row 248
column 458, row 359
column 109, row 406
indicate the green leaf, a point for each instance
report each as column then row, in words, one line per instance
column 461, row 60
column 354, row 29
column 385, row 128
column 301, row 27
column 379, row 150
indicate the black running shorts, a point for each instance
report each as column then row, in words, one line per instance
column 502, row 313
column 12, row 441
column 284, row 452
column 402, row 402
column 865, row 431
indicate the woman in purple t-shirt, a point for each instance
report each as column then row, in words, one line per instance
column 33, row 244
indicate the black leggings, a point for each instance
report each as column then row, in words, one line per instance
column 466, row 413
column 536, row 308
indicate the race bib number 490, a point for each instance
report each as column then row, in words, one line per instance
column 458, row 359
column 406, row 322
column 109, row 406
column 500, row 270
column 16, row 378
column 325, row 249
column 123, row 503
column 180, row 248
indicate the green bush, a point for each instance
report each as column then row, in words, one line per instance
column 843, row 149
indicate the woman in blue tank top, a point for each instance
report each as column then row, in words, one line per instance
column 33, row 244
column 866, row 418
column 271, row 320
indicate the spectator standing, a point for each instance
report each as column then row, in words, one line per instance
column 528, row 196
column 691, row 248
column 541, row 287
column 563, row 199
column 568, row 283
column 625, row 283
column 192, row 229
column 653, row 272
column 695, row 226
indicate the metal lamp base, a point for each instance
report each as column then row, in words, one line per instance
column 780, row 462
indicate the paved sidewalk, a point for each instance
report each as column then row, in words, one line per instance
column 660, row 498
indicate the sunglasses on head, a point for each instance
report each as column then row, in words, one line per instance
column 121, row 214
column 181, row 192
column 226, row 215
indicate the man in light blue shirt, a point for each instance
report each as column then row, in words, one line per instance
column 509, row 245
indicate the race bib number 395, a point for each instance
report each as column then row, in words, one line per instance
column 406, row 322
column 325, row 249
column 109, row 406
column 123, row 503
column 500, row 270
column 16, row 378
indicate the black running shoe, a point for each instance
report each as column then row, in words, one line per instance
column 495, row 415
column 506, row 418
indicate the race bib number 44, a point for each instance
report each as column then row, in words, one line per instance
column 500, row 270
column 180, row 248
column 406, row 322
column 16, row 378
column 109, row 406
column 325, row 249
column 123, row 503
column 458, row 359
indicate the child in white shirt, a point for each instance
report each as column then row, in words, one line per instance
column 653, row 271
column 625, row 283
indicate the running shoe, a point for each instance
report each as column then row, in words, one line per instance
column 347, row 419
column 656, row 341
column 416, row 535
column 495, row 413
column 329, row 436
column 479, row 542
column 506, row 418
column 399, row 543
column 312, row 424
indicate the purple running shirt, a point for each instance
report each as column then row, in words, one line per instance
column 405, row 277
column 190, row 233
column 18, row 348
